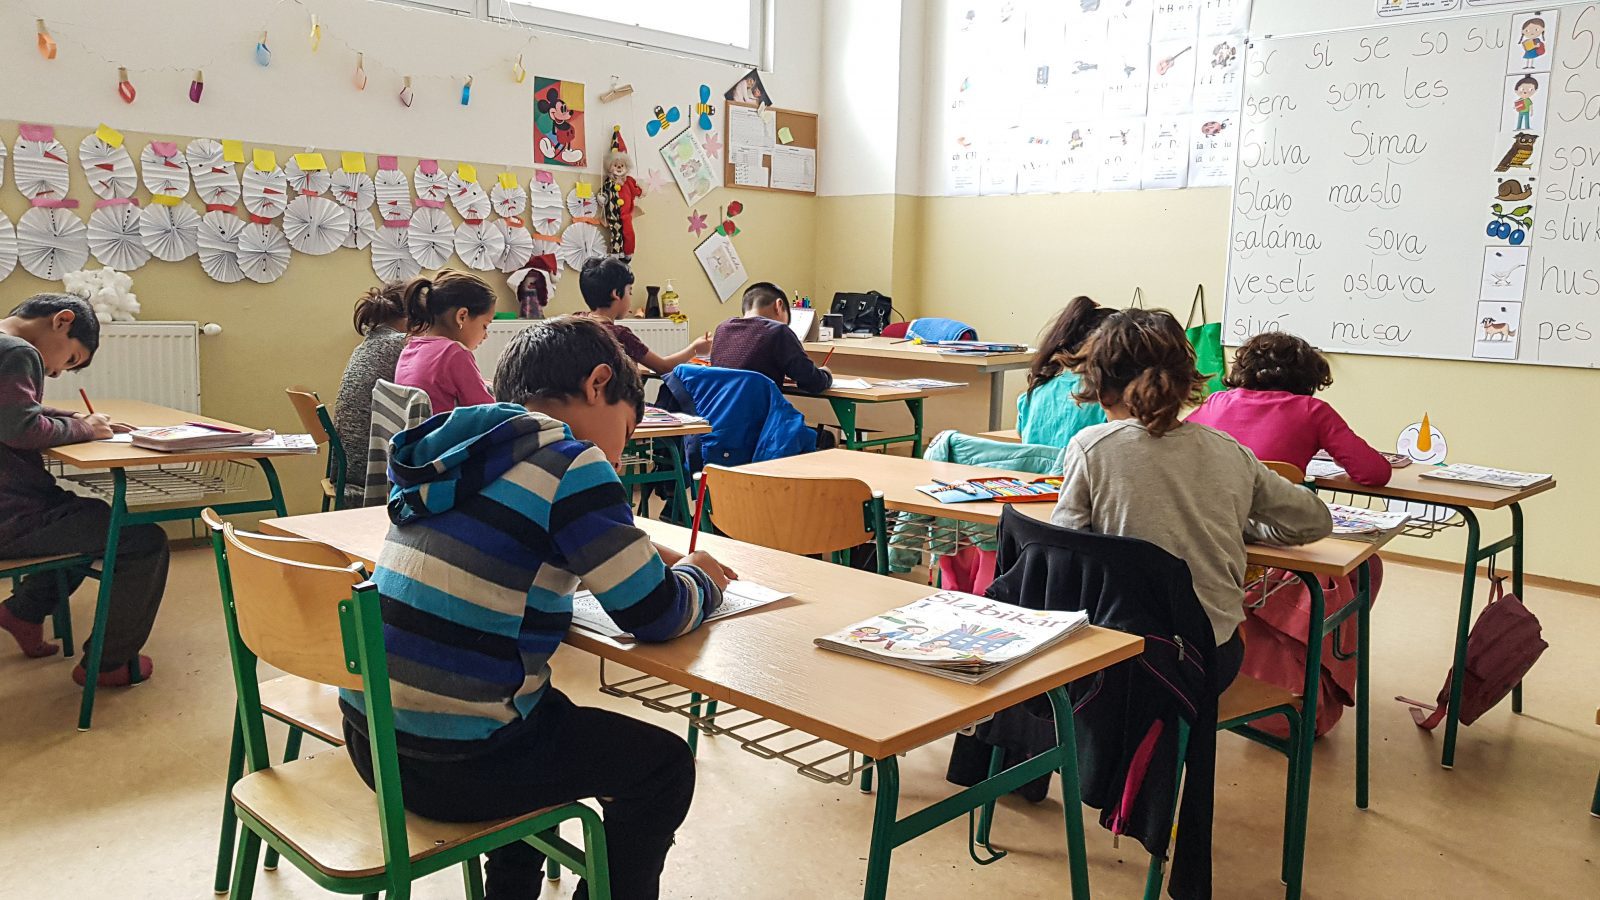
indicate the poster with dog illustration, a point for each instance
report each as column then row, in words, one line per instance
column 558, row 134
column 1495, row 332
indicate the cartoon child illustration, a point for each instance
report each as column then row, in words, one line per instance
column 867, row 634
column 930, row 646
column 906, row 633
column 1532, row 41
column 558, row 144
column 1526, row 87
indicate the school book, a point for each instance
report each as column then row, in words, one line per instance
column 1323, row 466
column 953, row 635
column 655, row 417
column 188, row 437
column 1000, row 490
column 741, row 596
column 921, row 384
column 1489, row 477
column 1356, row 523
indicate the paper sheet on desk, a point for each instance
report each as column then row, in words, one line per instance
column 856, row 384
column 741, row 596
column 124, row 438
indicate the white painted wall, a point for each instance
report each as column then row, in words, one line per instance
column 306, row 98
column 860, row 87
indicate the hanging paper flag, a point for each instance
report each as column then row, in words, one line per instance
column 125, row 88
column 518, row 70
column 111, row 136
column 584, row 190
column 468, row 172
column 265, row 160
column 406, row 96
column 315, row 38
column 359, row 79
column 311, row 162
column 263, row 52
column 47, row 44
column 466, row 92
column 233, row 151
column 197, row 86
column 508, row 180
column 353, row 161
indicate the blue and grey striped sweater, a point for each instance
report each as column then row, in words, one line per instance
column 499, row 514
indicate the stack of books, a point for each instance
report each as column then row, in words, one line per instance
column 1484, row 475
column 192, row 436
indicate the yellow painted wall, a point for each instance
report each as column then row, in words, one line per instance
column 297, row 329
column 1007, row 264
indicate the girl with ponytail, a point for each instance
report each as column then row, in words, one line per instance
column 448, row 316
column 1189, row 489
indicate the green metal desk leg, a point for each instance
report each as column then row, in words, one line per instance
column 1516, row 586
column 102, row 607
column 472, row 876
column 694, row 732
column 680, row 512
column 552, row 869
column 1594, row 807
column 986, row 817
column 229, row 821
column 916, row 425
column 845, row 411
column 1071, row 801
column 883, row 822
column 1469, row 580
column 1306, row 734
column 1363, row 678
column 273, row 487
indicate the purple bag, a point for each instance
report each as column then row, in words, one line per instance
column 1503, row 645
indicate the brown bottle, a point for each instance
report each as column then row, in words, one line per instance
column 652, row 303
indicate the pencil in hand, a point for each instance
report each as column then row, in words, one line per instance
column 86, row 404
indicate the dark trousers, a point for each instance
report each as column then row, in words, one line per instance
column 81, row 525
column 643, row 775
column 1227, row 661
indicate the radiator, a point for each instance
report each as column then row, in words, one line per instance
column 664, row 336
column 156, row 362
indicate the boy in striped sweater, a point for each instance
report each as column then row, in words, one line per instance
column 500, row 512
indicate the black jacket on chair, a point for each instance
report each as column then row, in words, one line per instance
column 1126, row 716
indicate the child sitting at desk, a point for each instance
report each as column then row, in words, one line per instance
column 449, row 317
column 45, row 336
column 380, row 319
column 1189, row 489
column 1047, row 413
column 500, row 512
column 607, row 286
column 1271, row 409
column 762, row 341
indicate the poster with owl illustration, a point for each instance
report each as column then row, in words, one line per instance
column 558, row 123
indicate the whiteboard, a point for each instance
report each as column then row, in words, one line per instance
column 1391, row 199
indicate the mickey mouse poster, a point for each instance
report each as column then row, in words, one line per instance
column 558, row 133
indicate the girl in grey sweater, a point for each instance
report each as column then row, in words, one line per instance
column 380, row 318
column 1189, row 489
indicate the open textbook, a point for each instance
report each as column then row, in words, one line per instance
column 1484, row 475
column 741, row 596
column 954, row 635
column 1358, row 523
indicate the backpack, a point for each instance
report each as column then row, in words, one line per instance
column 1503, row 645
column 868, row 312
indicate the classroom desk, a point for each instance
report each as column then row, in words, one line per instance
column 1005, row 435
column 117, row 458
column 1464, row 499
column 886, row 358
column 844, row 401
column 676, row 475
column 765, row 662
column 897, row 477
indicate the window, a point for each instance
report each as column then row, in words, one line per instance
column 732, row 30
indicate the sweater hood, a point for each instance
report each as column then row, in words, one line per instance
column 452, row 456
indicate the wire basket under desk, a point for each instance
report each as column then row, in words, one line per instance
column 160, row 485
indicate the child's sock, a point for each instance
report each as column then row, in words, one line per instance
column 28, row 635
column 118, row 676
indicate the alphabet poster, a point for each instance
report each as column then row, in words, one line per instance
column 558, row 133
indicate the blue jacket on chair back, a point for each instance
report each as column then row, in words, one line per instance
column 750, row 418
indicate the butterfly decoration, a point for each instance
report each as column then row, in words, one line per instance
column 728, row 228
column 704, row 109
column 664, row 118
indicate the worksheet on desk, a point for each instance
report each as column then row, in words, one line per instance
column 741, row 596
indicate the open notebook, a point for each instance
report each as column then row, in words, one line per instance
column 741, row 596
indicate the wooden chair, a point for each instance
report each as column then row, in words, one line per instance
column 303, row 706
column 322, row 623
column 806, row 516
column 61, row 619
column 315, row 420
column 1290, row 471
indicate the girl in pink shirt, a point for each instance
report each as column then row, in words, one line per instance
column 449, row 316
column 1271, row 410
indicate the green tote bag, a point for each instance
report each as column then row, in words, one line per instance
column 1206, row 339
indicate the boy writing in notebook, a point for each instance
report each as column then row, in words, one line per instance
column 762, row 341
column 607, row 286
column 500, row 512
column 45, row 336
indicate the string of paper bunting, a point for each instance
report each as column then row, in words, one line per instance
column 302, row 204
column 51, row 34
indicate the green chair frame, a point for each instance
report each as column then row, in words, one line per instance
column 338, row 466
column 61, row 618
column 361, row 628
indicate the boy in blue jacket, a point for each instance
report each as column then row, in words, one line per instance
column 499, row 513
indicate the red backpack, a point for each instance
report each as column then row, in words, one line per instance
column 1503, row 645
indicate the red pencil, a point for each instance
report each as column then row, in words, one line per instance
column 828, row 357
column 87, row 405
column 699, row 507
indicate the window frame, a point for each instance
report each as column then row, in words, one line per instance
column 756, row 55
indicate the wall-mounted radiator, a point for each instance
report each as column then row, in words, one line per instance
column 156, row 362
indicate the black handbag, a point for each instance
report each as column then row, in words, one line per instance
column 867, row 312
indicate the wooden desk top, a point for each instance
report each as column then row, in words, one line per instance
column 888, row 348
column 874, row 394
column 1006, row 435
column 645, row 433
column 765, row 662
column 104, row 455
column 1408, row 484
column 898, row 476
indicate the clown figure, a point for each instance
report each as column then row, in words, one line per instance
column 619, row 193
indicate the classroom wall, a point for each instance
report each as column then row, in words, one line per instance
column 297, row 330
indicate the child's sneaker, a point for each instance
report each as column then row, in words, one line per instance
column 28, row 635
column 121, row 676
